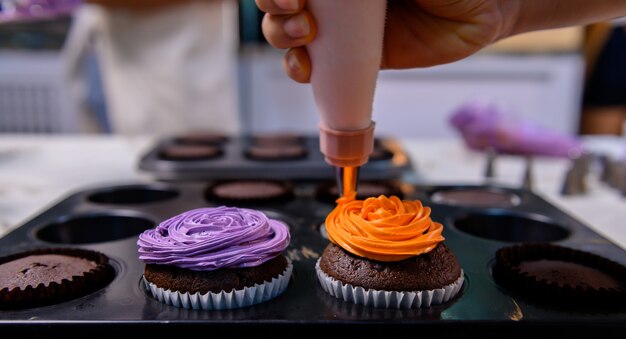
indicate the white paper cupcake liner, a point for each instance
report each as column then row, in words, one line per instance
column 387, row 299
column 223, row 300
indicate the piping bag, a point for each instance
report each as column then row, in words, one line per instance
column 345, row 59
column 485, row 124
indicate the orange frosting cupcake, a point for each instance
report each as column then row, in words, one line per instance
column 383, row 228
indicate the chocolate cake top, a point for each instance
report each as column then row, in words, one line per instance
column 42, row 269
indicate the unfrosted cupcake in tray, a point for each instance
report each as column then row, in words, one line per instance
column 557, row 276
column 201, row 138
column 276, row 139
column 250, row 191
column 276, row 152
column 49, row 276
column 190, row 152
column 389, row 253
column 216, row 258
column 276, row 147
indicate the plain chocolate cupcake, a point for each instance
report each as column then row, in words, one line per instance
column 49, row 276
column 276, row 139
column 555, row 276
column 243, row 191
column 201, row 138
column 190, row 152
column 276, row 152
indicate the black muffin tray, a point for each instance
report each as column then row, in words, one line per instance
column 234, row 163
column 109, row 219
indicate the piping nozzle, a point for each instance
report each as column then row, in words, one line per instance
column 346, row 148
column 346, row 184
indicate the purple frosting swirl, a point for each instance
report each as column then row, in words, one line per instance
column 207, row 239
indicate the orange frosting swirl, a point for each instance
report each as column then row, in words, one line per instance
column 383, row 228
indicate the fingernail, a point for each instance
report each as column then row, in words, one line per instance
column 293, row 63
column 297, row 27
column 290, row 5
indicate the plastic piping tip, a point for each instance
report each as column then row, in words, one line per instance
column 347, row 148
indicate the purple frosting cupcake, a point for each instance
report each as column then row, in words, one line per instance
column 216, row 258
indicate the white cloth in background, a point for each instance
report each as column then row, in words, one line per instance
column 164, row 72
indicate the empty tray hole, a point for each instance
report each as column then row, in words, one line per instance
column 93, row 229
column 511, row 228
column 132, row 195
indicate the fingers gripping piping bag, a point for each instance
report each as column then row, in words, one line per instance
column 345, row 57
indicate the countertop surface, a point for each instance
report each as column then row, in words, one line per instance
column 38, row 171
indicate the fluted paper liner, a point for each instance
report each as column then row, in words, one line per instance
column 387, row 299
column 507, row 273
column 223, row 300
column 69, row 288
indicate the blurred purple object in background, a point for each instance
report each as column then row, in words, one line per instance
column 32, row 10
column 483, row 125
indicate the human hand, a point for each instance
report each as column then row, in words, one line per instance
column 418, row 33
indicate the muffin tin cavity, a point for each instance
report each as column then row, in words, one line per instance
column 511, row 227
column 94, row 218
column 132, row 195
column 93, row 228
column 476, row 197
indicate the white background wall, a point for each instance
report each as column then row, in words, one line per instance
column 34, row 95
column 409, row 103
column 417, row 103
